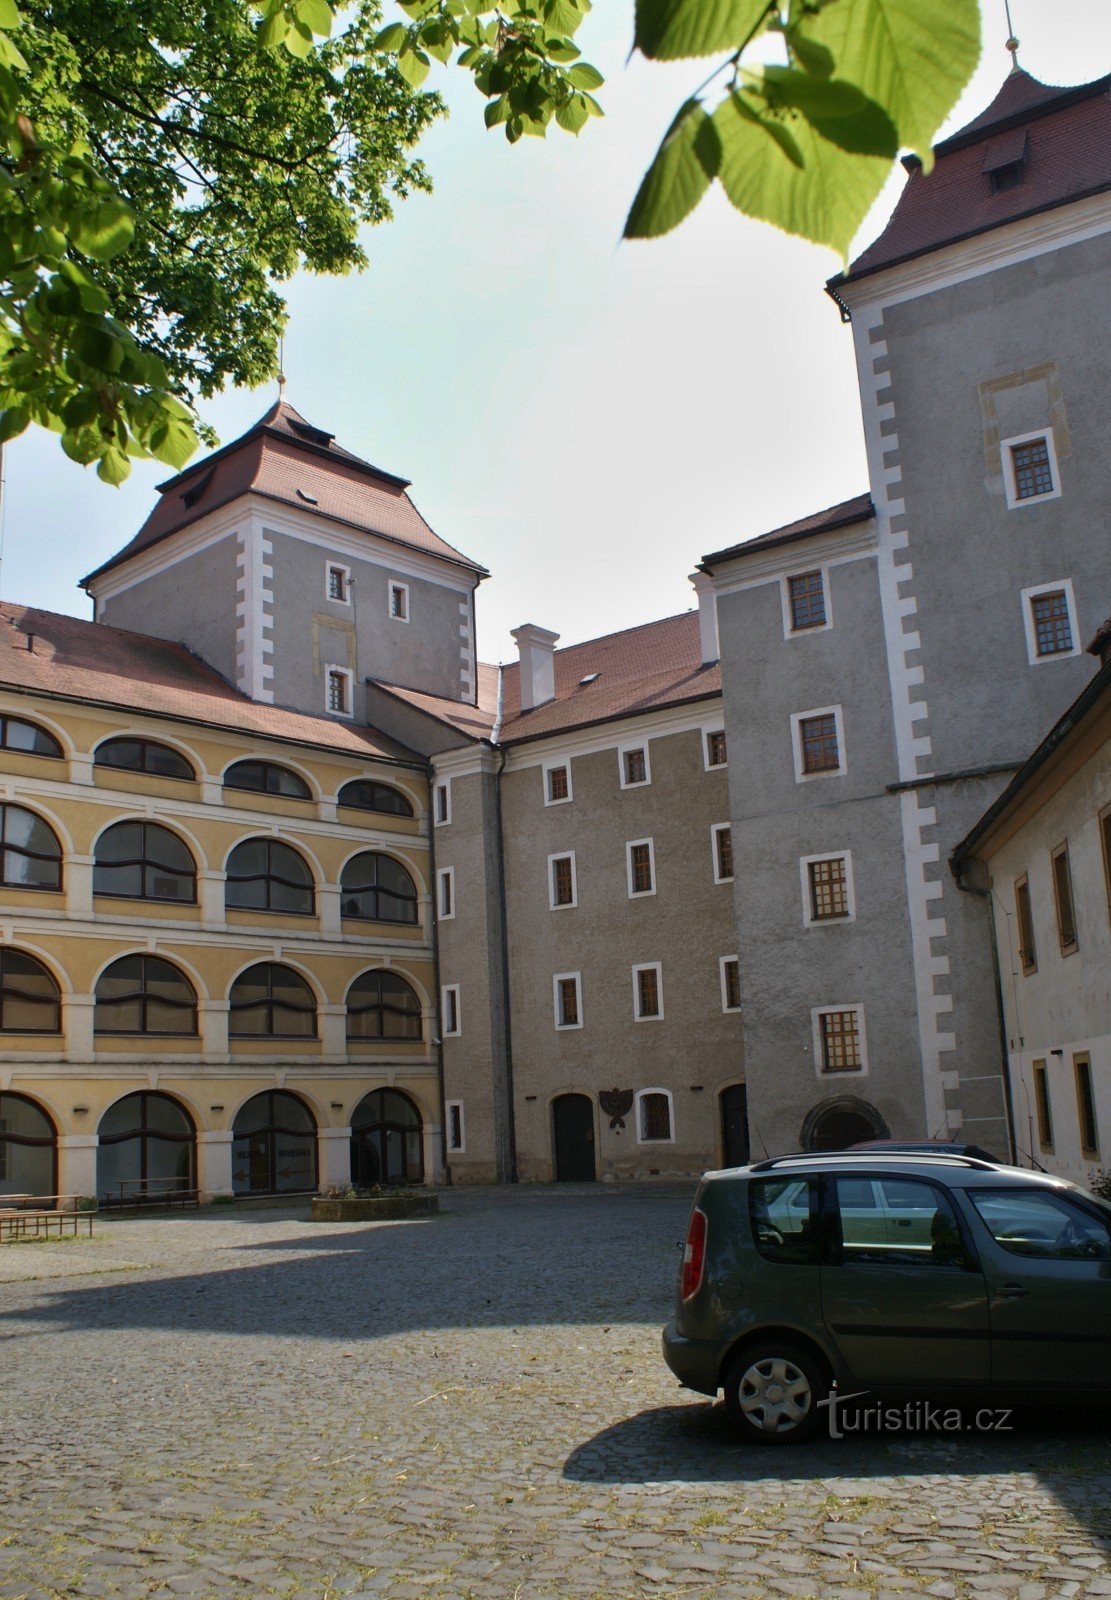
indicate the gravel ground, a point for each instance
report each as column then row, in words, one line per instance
column 247, row 1403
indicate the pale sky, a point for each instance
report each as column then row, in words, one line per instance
column 584, row 417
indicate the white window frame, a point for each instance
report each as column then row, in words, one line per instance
column 329, row 568
column 657, row 968
column 723, row 962
column 790, row 632
column 715, row 829
column 445, row 1011
column 808, row 918
column 797, row 720
column 563, row 800
column 562, row 855
column 1028, row 597
column 817, row 1012
column 333, row 669
column 708, row 731
column 445, row 875
column 557, row 979
column 640, row 894
column 460, row 1148
column 1007, row 462
column 639, row 1120
column 400, row 588
column 622, row 751
column 441, row 786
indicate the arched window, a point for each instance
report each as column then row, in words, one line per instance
column 837, row 1124
column 147, row 1141
column 143, row 861
column 28, row 1148
column 29, row 849
column 266, row 777
column 143, row 755
column 266, row 875
column 145, row 995
column 29, row 997
column 274, row 1145
column 377, row 888
column 27, row 738
column 381, row 1005
column 386, row 1142
column 366, row 794
column 269, row 1001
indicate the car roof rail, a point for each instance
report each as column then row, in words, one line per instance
column 869, row 1156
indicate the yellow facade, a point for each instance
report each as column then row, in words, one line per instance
column 77, row 1074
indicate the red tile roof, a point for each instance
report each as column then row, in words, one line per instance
column 1067, row 157
column 69, row 659
column 286, row 459
column 842, row 515
column 475, row 722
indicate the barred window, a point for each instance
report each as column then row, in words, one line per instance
column 1052, row 628
column 723, row 852
column 818, row 736
column 337, row 583
column 559, row 787
column 339, row 698
column 635, row 766
column 640, row 868
column 567, row 991
column 563, row 882
column 829, row 889
column 30, row 1001
column 1041, row 1102
column 1023, row 916
column 1062, row 893
column 731, row 983
column 376, row 888
column 654, row 1108
column 27, row 738
column 145, row 995
column 716, row 752
column 267, row 875
column 647, row 991
column 270, row 1001
column 808, row 601
column 143, row 861
column 29, row 851
column 381, row 1005
column 1033, row 473
column 1086, row 1105
column 840, row 1040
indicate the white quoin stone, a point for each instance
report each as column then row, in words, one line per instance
column 707, row 616
column 537, row 651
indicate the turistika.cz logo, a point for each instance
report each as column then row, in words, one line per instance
column 915, row 1416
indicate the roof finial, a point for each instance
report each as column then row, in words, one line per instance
column 1012, row 41
column 281, row 365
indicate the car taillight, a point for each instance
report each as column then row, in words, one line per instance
column 694, row 1254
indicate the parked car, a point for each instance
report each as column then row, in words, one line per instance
column 889, row 1273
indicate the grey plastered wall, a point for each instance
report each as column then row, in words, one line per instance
column 787, row 969
column 192, row 602
column 695, row 1050
column 309, row 631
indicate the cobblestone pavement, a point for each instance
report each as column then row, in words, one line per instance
column 247, row 1403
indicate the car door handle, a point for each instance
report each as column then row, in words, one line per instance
column 1012, row 1291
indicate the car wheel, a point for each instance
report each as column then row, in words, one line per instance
column 773, row 1391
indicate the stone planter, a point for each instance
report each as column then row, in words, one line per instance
column 375, row 1208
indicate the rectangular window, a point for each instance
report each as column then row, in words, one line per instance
column 640, row 866
column 828, row 886
column 456, row 1140
column 1027, row 953
column 399, row 602
column 1062, row 895
column 450, row 1010
column 730, row 983
column 339, row 580
column 634, row 767
column 1086, row 1106
column 339, row 691
column 557, row 784
column 1041, row 1104
column 654, row 1117
column 441, row 803
column 818, row 743
column 1052, row 624
column 648, row 1000
column 445, row 897
column 840, row 1039
column 1031, row 469
column 568, row 999
column 807, row 597
column 561, row 881
column 716, row 753
column 721, row 843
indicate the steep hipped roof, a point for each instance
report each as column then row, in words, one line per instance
column 286, row 459
column 842, row 515
column 1066, row 156
column 67, row 658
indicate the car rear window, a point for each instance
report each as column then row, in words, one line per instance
column 1032, row 1222
column 784, row 1214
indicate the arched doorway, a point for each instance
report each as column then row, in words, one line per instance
column 840, row 1123
column 28, row 1148
column 733, row 1106
column 146, row 1139
column 386, row 1140
column 573, row 1138
column 273, row 1145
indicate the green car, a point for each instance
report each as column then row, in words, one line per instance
column 882, row 1273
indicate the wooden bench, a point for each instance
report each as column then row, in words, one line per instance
column 146, row 1194
column 42, row 1216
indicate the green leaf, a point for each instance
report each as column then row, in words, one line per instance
column 685, row 163
column 912, row 57
column 316, row 15
column 299, row 41
column 584, row 76
column 103, row 230
column 12, row 57
column 271, row 35
column 413, row 66
column 572, row 115
column 667, row 30
column 392, row 38
column 787, row 174
column 114, row 467
column 173, row 441
column 562, row 16
column 497, row 111
column 97, row 348
column 13, row 422
column 838, row 110
column 9, row 14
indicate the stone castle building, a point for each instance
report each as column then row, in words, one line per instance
column 626, row 909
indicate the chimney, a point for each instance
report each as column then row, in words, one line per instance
column 707, row 616
column 537, row 649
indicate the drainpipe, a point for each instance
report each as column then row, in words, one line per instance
column 957, row 869
column 429, row 779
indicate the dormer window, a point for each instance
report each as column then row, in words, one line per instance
column 1005, row 160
